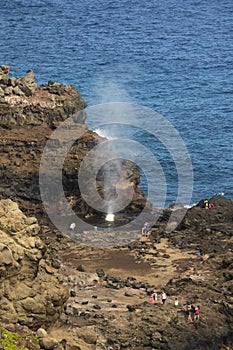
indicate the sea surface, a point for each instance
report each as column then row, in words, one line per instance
column 172, row 57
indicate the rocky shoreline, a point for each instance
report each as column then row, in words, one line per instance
column 60, row 294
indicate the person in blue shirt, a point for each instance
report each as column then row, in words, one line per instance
column 146, row 228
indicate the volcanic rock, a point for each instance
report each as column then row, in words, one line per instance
column 29, row 113
column 29, row 294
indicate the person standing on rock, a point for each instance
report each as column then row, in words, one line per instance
column 155, row 296
column 189, row 312
column 206, row 204
column 164, row 297
column 72, row 226
column 197, row 313
column 146, row 229
column 152, row 301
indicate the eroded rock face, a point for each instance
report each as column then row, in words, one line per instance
column 31, row 290
column 23, row 102
column 29, row 113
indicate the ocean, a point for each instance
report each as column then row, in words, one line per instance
column 171, row 57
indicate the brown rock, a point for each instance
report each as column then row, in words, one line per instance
column 29, row 294
column 48, row 343
column 4, row 72
column 88, row 335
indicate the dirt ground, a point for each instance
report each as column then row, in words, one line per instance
column 123, row 263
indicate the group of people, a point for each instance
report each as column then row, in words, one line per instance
column 154, row 297
column 193, row 312
column 208, row 205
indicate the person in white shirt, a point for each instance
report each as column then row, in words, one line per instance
column 164, row 297
column 72, row 226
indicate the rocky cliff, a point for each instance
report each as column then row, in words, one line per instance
column 29, row 113
column 31, row 290
column 92, row 298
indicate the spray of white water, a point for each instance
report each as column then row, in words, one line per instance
column 109, row 92
column 110, row 217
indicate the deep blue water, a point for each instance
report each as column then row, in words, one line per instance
column 175, row 57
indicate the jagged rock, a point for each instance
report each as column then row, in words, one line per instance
column 4, row 74
column 29, row 112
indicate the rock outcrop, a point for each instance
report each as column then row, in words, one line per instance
column 31, row 290
column 29, row 113
column 24, row 103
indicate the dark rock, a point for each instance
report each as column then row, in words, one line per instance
column 75, row 311
column 131, row 308
column 81, row 268
column 166, row 256
column 228, row 276
column 72, row 293
column 100, row 273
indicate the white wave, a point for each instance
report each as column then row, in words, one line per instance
column 190, row 205
column 104, row 133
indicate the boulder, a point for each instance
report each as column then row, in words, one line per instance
column 88, row 335
column 41, row 333
column 48, row 343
